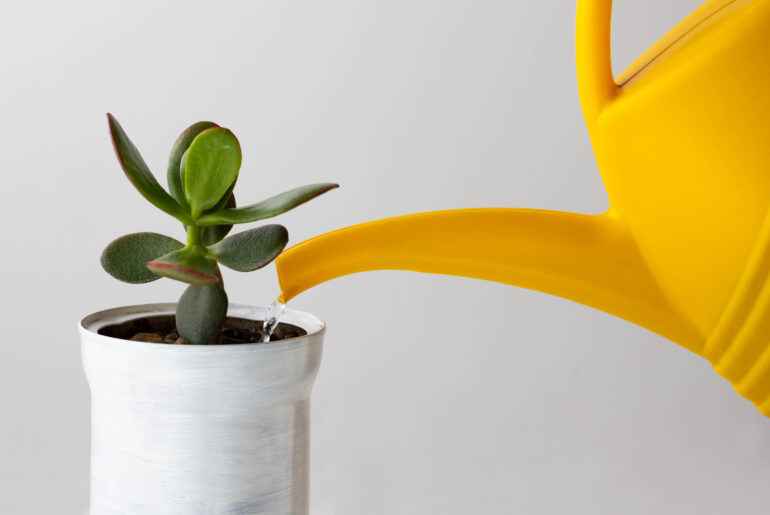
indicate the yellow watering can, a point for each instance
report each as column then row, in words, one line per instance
column 682, row 139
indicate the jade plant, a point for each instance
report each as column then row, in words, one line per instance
column 202, row 171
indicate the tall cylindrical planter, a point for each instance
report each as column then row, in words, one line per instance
column 199, row 430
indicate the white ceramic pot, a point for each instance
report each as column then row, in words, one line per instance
column 199, row 430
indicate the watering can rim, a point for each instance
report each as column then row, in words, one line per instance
column 597, row 84
column 668, row 42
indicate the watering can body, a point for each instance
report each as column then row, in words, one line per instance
column 683, row 145
column 682, row 142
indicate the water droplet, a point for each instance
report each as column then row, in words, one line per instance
column 272, row 319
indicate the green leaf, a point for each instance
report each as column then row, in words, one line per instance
column 140, row 175
column 215, row 233
column 126, row 257
column 188, row 265
column 251, row 249
column 267, row 208
column 181, row 145
column 200, row 313
column 211, row 167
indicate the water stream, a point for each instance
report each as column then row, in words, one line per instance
column 272, row 319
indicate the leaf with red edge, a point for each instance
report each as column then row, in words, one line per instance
column 140, row 175
column 268, row 208
column 188, row 265
column 125, row 257
column 252, row 249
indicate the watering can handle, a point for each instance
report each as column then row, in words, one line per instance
column 594, row 62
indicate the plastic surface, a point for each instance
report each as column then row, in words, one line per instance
column 683, row 145
column 194, row 429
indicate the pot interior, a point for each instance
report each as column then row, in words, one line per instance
column 236, row 330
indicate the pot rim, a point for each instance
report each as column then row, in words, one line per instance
column 91, row 324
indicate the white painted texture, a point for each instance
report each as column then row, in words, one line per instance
column 200, row 430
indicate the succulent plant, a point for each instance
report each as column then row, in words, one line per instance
column 202, row 171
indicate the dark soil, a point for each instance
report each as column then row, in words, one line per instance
column 162, row 329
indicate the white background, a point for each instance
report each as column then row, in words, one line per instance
column 437, row 395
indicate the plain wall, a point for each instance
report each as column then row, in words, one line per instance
column 437, row 395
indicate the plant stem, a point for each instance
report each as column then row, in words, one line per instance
column 194, row 235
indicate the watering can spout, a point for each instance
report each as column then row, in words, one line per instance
column 590, row 259
column 680, row 138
